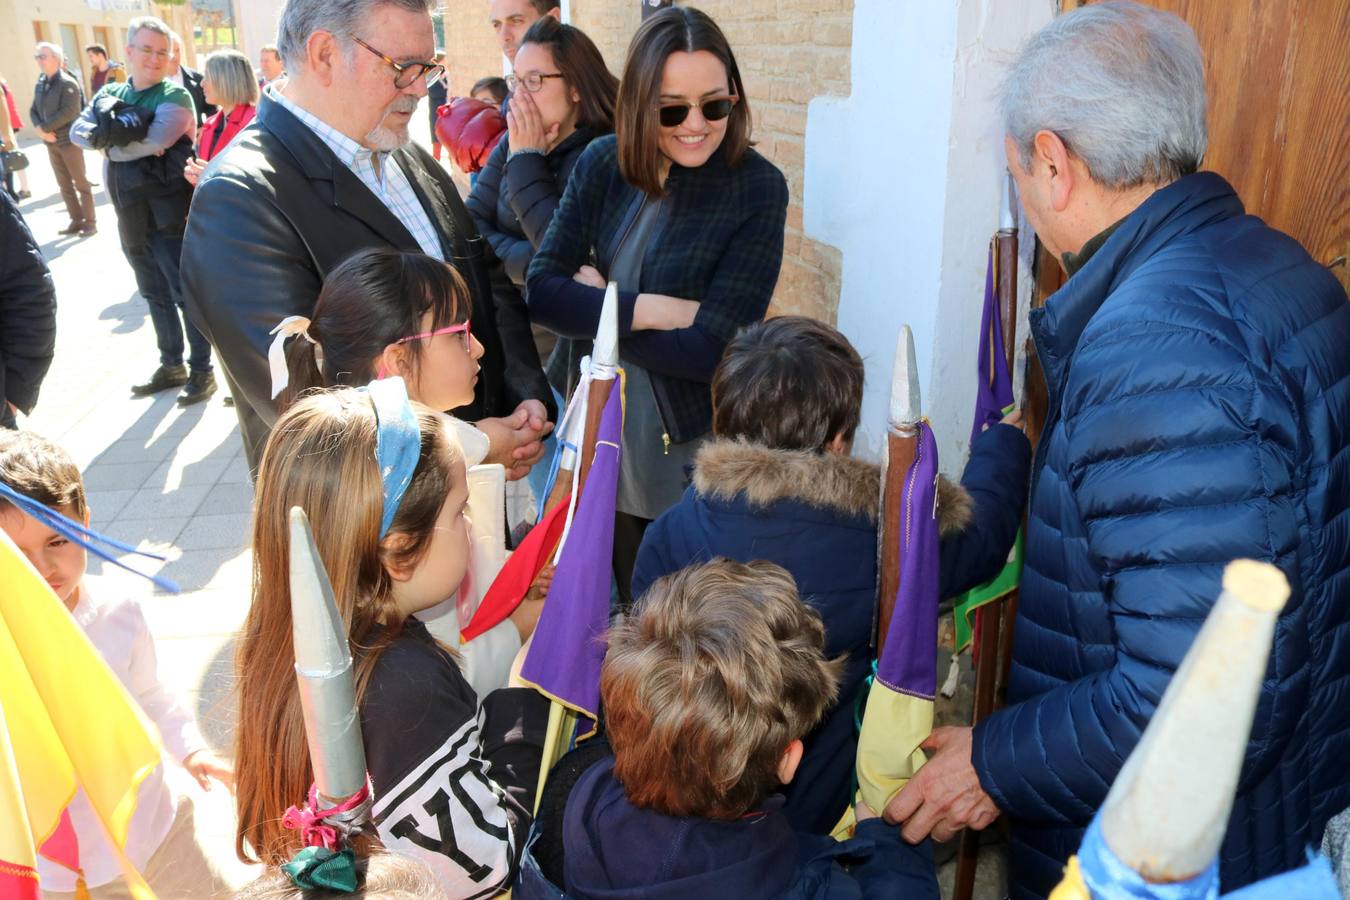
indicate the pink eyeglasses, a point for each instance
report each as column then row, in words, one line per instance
column 461, row 328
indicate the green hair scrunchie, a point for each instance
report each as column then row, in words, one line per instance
column 316, row 868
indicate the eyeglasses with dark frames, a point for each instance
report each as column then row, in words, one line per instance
column 672, row 115
column 431, row 72
column 533, row 82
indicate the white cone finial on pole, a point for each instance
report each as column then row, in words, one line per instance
column 906, row 403
column 1168, row 809
column 323, row 668
column 605, row 354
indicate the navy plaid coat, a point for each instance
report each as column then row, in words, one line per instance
column 719, row 240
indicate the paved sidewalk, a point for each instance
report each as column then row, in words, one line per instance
column 165, row 479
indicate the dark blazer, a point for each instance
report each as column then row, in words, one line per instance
column 276, row 211
column 718, row 240
column 27, row 312
column 1198, row 367
column 192, row 80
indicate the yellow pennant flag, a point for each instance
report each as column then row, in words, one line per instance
column 67, row 722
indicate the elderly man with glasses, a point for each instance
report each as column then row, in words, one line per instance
column 1198, row 367
column 328, row 169
column 56, row 104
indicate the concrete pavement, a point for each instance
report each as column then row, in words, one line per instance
column 164, row 479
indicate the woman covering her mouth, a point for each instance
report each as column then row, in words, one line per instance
column 678, row 210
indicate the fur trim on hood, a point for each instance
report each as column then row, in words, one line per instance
column 724, row 469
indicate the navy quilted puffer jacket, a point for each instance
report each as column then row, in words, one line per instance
column 1199, row 375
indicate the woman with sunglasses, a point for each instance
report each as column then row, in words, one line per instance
column 688, row 220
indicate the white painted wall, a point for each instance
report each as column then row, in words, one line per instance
column 904, row 177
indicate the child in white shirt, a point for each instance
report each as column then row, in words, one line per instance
column 161, row 841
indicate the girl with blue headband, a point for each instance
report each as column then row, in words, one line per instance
column 383, row 483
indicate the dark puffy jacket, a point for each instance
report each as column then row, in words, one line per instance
column 512, row 203
column 1198, row 367
column 615, row 850
column 119, row 122
column 27, row 313
column 470, row 129
column 815, row 515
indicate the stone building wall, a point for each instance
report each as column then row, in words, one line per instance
column 789, row 51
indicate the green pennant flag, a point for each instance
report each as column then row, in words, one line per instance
column 1002, row 583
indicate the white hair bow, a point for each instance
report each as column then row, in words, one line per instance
column 276, row 354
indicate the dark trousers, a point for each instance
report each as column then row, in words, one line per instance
column 68, row 164
column 156, row 268
column 628, row 532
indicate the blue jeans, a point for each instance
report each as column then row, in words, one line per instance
column 156, row 271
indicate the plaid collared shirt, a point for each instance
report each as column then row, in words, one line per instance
column 378, row 171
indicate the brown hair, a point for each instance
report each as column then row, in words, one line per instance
column 719, row 669
column 370, row 300
column 494, row 84
column 790, row 383
column 42, row 471
column 582, row 67
column 674, row 29
column 320, row 457
column 389, row 876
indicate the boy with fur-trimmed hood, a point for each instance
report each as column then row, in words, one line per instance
column 776, row 484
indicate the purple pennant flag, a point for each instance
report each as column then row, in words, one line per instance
column 908, row 664
column 994, row 392
column 568, row 647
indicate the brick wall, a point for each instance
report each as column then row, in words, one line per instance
column 471, row 50
column 789, row 51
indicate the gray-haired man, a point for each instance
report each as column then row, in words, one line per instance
column 325, row 171
column 56, row 104
column 1198, row 366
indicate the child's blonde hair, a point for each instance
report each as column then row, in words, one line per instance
column 388, row 876
column 321, row 456
column 720, row 667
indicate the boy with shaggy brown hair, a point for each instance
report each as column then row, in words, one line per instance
column 776, row 483
column 708, row 688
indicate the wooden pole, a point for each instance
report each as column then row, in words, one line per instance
column 993, row 653
column 902, row 440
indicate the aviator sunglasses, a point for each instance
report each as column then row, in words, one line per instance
column 672, row 115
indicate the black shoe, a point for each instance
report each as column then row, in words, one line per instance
column 89, row 229
column 24, row 195
column 200, row 385
column 165, row 377
column 72, row 228
column 227, row 400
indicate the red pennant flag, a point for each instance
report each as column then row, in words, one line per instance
column 520, row 571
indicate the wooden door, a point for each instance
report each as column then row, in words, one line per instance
column 1278, row 82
